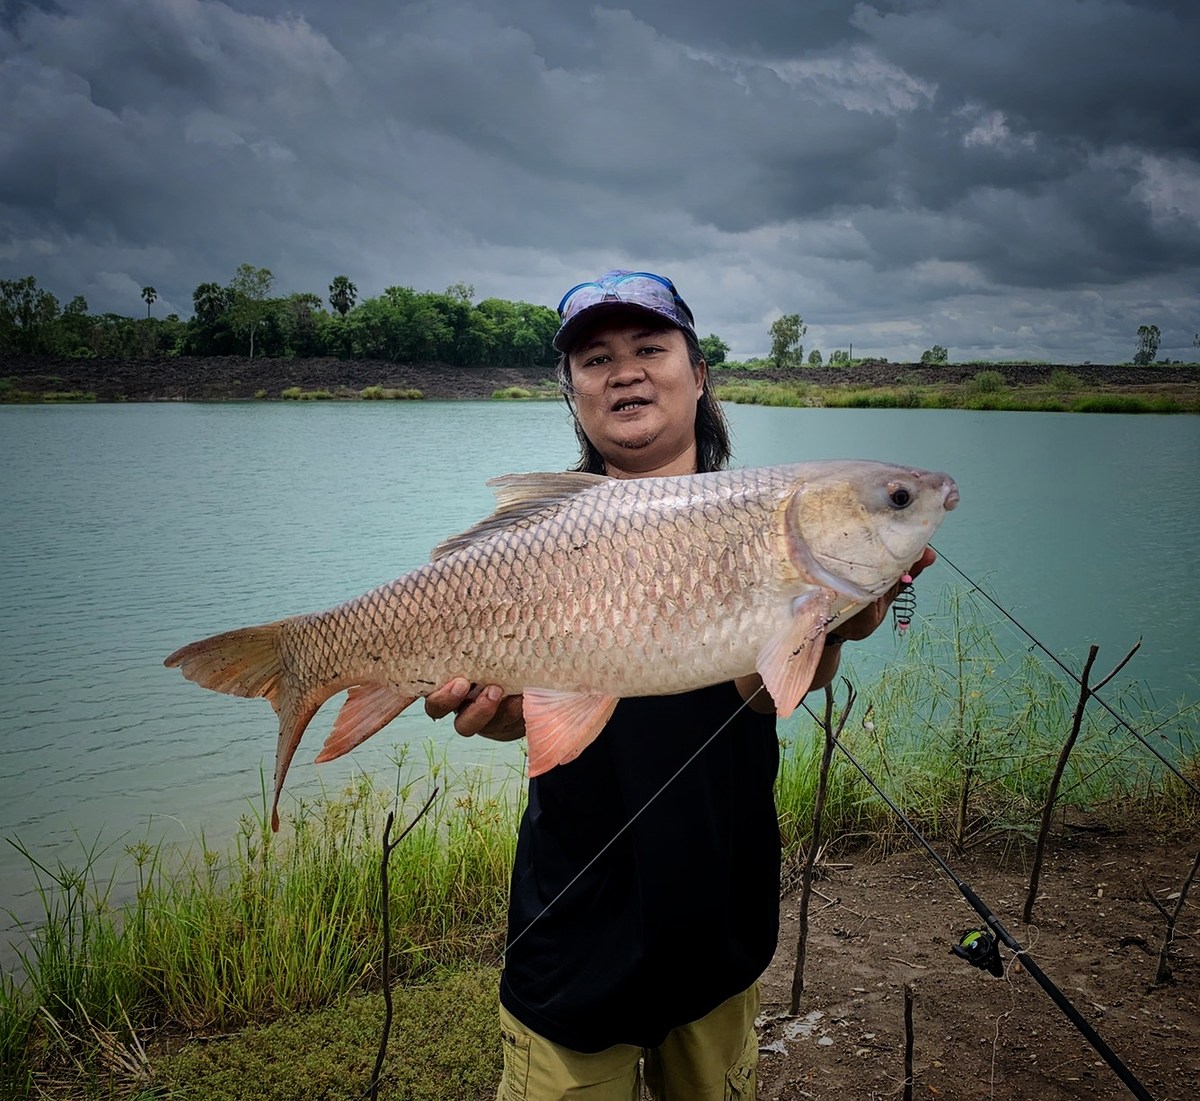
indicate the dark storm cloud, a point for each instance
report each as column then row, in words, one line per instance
column 1104, row 73
column 1012, row 177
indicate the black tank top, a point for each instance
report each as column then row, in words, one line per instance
column 681, row 910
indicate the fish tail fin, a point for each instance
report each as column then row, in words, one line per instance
column 249, row 662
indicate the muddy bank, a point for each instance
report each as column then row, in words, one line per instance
column 231, row 377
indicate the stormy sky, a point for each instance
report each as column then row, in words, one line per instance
column 1017, row 179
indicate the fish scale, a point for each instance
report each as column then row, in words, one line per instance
column 579, row 590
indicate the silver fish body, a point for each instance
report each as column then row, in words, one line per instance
column 580, row 589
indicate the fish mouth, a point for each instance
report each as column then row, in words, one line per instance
column 950, row 500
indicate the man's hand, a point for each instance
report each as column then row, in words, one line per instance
column 864, row 623
column 486, row 711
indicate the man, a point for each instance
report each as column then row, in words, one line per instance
column 645, row 890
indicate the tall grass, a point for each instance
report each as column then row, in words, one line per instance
column 278, row 924
column 963, row 736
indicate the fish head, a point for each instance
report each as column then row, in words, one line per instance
column 857, row 526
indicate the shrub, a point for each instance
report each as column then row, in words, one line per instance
column 987, row 382
column 1064, row 381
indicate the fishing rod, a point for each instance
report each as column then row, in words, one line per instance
column 1195, row 788
column 980, row 950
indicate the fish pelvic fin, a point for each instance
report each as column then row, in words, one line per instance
column 249, row 662
column 367, row 710
column 789, row 661
column 561, row 725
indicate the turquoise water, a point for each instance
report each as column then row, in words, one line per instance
column 129, row 530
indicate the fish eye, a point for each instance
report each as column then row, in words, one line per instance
column 899, row 496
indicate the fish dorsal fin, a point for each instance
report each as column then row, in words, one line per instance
column 519, row 496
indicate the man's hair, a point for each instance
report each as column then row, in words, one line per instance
column 713, row 449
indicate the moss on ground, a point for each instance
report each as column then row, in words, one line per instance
column 444, row 1042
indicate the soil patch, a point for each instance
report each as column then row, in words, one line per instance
column 879, row 925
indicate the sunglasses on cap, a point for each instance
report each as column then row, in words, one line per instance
column 643, row 289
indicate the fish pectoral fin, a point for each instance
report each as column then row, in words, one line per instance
column 367, row 710
column 787, row 663
column 561, row 725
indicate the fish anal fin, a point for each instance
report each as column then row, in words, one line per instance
column 367, row 710
column 561, row 725
column 788, row 662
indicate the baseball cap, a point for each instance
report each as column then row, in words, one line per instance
column 584, row 303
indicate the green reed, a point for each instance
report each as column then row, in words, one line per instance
column 963, row 734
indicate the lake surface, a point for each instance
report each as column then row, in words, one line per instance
column 128, row 530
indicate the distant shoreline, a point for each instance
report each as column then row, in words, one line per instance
column 231, row 378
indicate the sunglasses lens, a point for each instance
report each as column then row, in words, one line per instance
column 638, row 288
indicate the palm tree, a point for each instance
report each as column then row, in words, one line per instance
column 209, row 301
column 342, row 294
column 151, row 296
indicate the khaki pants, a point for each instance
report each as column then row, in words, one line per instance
column 712, row 1059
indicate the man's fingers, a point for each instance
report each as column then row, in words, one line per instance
column 927, row 559
column 478, row 712
column 449, row 697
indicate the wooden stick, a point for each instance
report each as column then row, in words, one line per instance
column 831, row 736
column 385, row 904
column 1085, row 693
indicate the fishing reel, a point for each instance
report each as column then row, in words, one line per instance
column 980, row 949
column 904, row 606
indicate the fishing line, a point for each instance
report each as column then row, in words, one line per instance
column 635, row 816
column 1070, row 673
column 985, row 952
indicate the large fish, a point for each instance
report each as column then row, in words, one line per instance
column 581, row 589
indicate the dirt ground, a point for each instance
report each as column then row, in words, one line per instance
column 878, row 925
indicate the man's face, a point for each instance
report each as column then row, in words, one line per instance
column 635, row 393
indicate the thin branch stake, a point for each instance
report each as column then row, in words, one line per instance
column 1085, row 693
column 385, row 904
column 1163, row 974
column 908, row 1041
column 831, row 737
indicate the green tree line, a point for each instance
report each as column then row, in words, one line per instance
column 247, row 317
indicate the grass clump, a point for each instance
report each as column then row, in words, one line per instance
column 986, row 382
column 67, row 396
column 381, row 393
column 547, row 390
column 1064, row 381
column 297, row 393
column 880, row 398
column 1124, row 403
column 777, row 394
